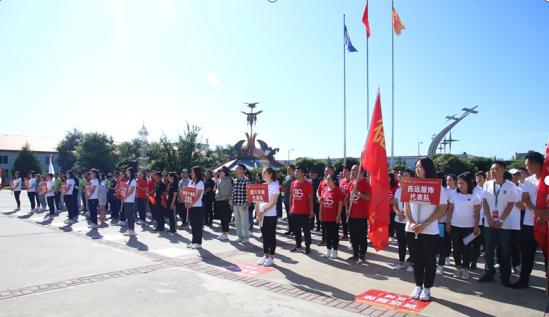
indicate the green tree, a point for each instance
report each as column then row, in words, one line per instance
column 515, row 164
column 66, row 149
column 350, row 162
column 451, row 164
column 400, row 165
column 96, row 150
column 480, row 164
column 311, row 164
column 128, row 153
column 189, row 151
column 26, row 161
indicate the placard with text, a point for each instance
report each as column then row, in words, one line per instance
column 420, row 190
column 257, row 193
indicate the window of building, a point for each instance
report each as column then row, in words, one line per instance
column 3, row 159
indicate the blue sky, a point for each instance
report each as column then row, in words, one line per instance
column 107, row 65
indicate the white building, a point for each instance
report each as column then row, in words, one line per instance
column 42, row 148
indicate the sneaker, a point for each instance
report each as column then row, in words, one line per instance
column 447, row 261
column 328, row 253
column 17, row 209
column 516, row 269
column 465, row 275
column 399, row 266
column 297, row 250
column 269, row 262
column 416, row 292
column 223, row 237
column 425, row 295
column 262, row 260
column 129, row 233
column 190, row 245
column 307, row 250
column 196, row 246
column 458, row 273
column 410, row 268
column 334, row 254
column 486, row 278
column 440, row 269
column 122, row 223
column 103, row 224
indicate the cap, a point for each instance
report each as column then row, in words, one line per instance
column 514, row 171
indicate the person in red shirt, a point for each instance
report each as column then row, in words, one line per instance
column 331, row 204
column 118, row 197
column 301, row 198
column 141, row 197
column 343, row 183
column 358, row 201
column 150, row 192
column 328, row 171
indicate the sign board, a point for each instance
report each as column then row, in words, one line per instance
column 392, row 301
column 421, row 190
column 257, row 193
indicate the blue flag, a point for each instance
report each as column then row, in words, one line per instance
column 348, row 44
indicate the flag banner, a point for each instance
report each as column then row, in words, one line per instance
column 421, row 190
column 123, row 189
column 348, row 44
column 541, row 229
column 374, row 161
column 398, row 26
column 188, row 195
column 365, row 21
column 257, row 193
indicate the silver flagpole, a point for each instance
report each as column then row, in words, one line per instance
column 344, row 102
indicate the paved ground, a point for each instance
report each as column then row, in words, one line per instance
column 49, row 269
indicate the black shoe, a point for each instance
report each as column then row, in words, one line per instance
column 307, row 250
column 506, row 283
column 322, row 243
column 486, row 278
column 520, row 284
column 354, row 258
column 296, row 249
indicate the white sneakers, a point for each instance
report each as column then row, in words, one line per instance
column 458, row 272
column 462, row 273
column 334, row 254
column 447, row 261
column 262, row 260
column 190, row 245
column 129, row 233
column 265, row 261
column 223, row 237
column 516, row 269
column 410, row 269
column 328, row 253
column 416, row 292
column 440, row 269
column 423, row 294
column 196, row 246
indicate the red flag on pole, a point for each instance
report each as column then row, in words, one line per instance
column 374, row 160
column 365, row 20
column 541, row 230
column 398, row 26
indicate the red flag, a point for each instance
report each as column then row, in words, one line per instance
column 541, row 230
column 398, row 26
column 365, row 20
column 374, row 160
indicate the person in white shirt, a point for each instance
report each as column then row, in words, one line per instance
column 422, row 234
column 266, row 213
column 515, row 236
column 196, row 212
column 91, row 191
column 129, row 201
column 70, row 201
column 50, row 195
column 463, row 219
column 102, row 199
column 16, row 187
column 480, row 178
column 31, row 191
column 499, row 199
column 528, row 245
column 400, row 224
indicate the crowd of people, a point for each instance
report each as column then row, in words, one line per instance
column 482, row 212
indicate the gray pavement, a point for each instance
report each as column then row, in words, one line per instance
column 49, row 269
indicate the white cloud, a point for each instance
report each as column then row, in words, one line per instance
column 212, row 79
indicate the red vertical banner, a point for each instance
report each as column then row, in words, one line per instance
column 374, row 160
column 541, row 225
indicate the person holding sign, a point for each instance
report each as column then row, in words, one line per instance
column 196, row 212
column 301, row 197
column 266, row 212
column 92, row 197
column 358, row 202
column 463, row 219
column 422, row 233
column 127, row 193
column 499, row 199
column 16, row 187
column 331, row 206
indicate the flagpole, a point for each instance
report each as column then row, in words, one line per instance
column 393, row 87
column 367, row 83
column 344, row 102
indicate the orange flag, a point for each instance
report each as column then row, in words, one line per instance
column 374, row 160
column 541, row 230
column 365, row 20
column 398, row 26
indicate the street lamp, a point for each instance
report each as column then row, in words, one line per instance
column 289, row 150
column 418, row 152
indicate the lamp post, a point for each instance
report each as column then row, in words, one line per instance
column 289, row 150
column 418, row 152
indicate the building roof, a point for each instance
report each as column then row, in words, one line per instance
column 37, row 144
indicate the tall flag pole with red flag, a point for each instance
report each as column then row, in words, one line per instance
column 541, row 224
column 367, row 26
column 374, row 161
column 398, row 26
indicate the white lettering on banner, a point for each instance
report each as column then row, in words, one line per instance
column 431, row 190
column 298, row 193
